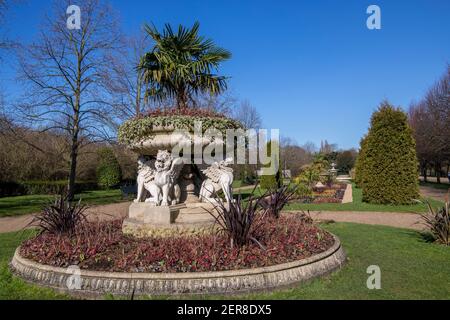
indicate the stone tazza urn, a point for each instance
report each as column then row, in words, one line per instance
column 153, row 137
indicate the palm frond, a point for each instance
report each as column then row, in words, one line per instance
column 181, row 64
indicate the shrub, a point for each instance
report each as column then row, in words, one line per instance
column 62, row 216
column 303, row 190
column 389, row 166
column 360, row 164
column 247, row 175
column 10, row 188
column 277, row 199
column 345, row 161
column 272, row 181
column 438, row 221
column 238, row 220
column 312, row 173
column 43, row 187
column 108, row 169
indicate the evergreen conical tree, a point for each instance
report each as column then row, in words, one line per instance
column 359, row 164
column 390, row 166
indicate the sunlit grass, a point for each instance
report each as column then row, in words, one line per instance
column 12, row 206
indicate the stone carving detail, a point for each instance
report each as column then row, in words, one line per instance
column 158, row 178
column 219, row 176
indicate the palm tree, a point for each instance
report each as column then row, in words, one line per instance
column 181, row 65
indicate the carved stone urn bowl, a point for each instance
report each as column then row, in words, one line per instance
column 168, row 138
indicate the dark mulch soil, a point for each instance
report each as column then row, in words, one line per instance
column 103, row 247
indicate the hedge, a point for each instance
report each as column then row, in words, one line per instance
column 360, row 164
column 8, row 189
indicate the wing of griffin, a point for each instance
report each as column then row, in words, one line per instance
column 175, row 168
column 213, row 172
column 147, row 171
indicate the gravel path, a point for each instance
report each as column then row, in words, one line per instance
column 109, row 211
column 119, row 210
column 392, row 219
column 438, row 194
column 104, row 212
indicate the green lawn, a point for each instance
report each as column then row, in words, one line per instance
column 12, row 206
column 411, row 268
column 359, row 205
column 239, row 184
column 434, row 185
column 12, row 287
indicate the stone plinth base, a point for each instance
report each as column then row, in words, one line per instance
column 149, row 213
column 147, row 220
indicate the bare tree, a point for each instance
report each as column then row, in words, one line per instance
column 438, row 102
column 248, row 115
column 420, row 122
column 293, row 156
column 224, row 103
column 5, row 6
column 62, row 73
column 124, row 81
column 327, row 148
column 430, row 121
column 310, row 147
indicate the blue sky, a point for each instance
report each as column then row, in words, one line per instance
column 312, row 68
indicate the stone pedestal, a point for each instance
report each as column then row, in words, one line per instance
column 186, row 181
column 148, row 220
column 149, row 213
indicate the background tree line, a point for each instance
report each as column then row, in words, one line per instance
column 430, row 120
column 77, row 87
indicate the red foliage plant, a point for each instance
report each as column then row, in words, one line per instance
column 102, row 246
column 190, row 112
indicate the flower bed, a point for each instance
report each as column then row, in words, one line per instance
column 103, row 247
column 333, row 194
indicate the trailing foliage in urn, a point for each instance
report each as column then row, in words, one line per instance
column 137, row 129
column 389, row 165
column 108, row 169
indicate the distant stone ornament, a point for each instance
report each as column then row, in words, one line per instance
column 319, row 185
column 159, row 182
column 219, row 177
